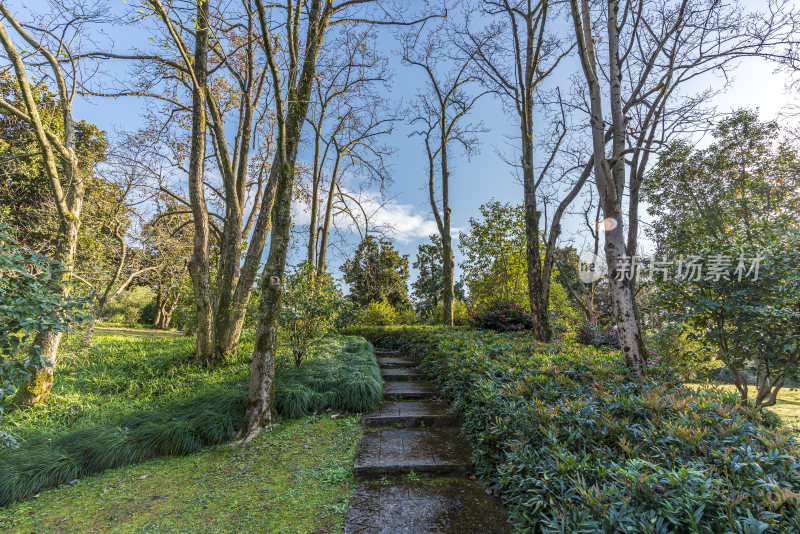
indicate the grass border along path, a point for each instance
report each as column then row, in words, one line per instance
column 347, row 381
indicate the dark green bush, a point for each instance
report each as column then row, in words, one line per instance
column 503, row 318
column 573, row 445
column 344, row 377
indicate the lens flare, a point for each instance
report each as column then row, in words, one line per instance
column 607, row 224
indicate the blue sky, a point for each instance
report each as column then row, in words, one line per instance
column 473, row 182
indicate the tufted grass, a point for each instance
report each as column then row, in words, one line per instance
column 126, row 400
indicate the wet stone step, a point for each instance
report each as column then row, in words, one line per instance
column 389, row 361
column 450, row 506
column 392, row 452
column 410, row 414
column 398, row 375
column 409, row 390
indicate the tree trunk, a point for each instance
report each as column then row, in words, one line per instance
column 199, row 262
column 538, row 289
column 37, row 388
column 261, row 396
column 326, row 223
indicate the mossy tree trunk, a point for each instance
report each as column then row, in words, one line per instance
column 64, row 179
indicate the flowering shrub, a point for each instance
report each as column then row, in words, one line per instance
column 503, row 318
column 571, row 444
column 594, row 336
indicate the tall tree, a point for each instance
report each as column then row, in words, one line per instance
column 441, row 111
column 53, row 50
column 377, row 273
column 291, row 89
column 516, row 53
column 654, row 49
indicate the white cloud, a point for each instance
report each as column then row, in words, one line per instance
column 403, row 222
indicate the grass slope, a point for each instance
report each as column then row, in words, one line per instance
column 294, row 479
column 149, row 400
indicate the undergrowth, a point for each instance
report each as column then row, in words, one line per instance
column 573, row 444
column 169, row 406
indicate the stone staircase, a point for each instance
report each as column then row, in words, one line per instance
column 413, row 464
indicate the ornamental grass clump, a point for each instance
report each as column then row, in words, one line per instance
column 573, row 444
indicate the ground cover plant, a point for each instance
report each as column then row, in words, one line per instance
column 573, row 445
column 295, row 478
column 154, row 401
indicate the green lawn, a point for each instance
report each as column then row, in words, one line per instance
column 294, row 479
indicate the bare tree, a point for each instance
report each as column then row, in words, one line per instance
column 348, row 117
column 516, row 53
column 654, row 48
column 441, row 111
column 292, row 92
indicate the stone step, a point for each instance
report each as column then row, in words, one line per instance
column 402, row 375
column 392, row 452
column 388, row 353
column 387, row 361
column 410, row 414
column 451, row 506
column 409, row 390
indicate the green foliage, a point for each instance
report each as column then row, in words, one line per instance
column 737, row 200
column 596, row 336
column 428, row 289
column 351, row 381
column 503, row 318
column 377, row 313
column 129, row 308
column 675, row 350
column 572, row 445
column 31, row 300
column 311, row 305
column 376, row 273
column 495, row 267
column 25, row 195
column 460, row 313
column 130, row 399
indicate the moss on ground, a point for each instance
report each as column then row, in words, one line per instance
column 296, row 478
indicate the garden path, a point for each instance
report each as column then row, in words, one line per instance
column 414, row 466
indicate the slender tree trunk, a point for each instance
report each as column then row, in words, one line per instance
column 610, row 176
column 326, row 223
column 199, row 262
column 538, row 290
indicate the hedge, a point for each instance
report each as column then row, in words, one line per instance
column 573, row 444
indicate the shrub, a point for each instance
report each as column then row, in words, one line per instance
column 129, row 307
column 377, row 313
column 572, row 444
column 31, row 300
column 685, row 357
column 503, row 318
column 460, row 313
column 345, row 377
column 311, row 305
column 595, row 336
